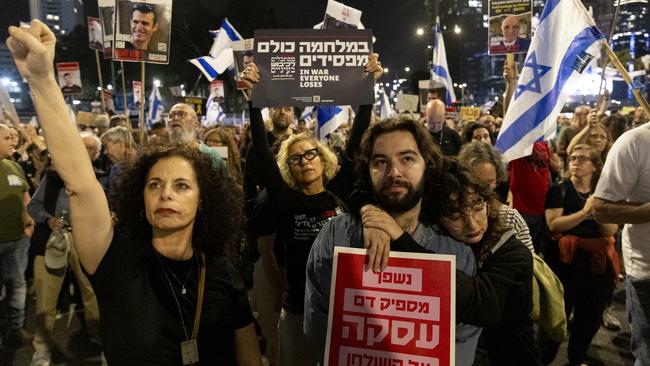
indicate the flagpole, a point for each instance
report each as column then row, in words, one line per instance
column 621, row 69
column 142, row 93
column 101, row 82
column 609, row 40
column 126, row 110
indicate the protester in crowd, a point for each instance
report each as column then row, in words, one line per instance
column 118, row 120
column 16, row 227
column 175, row 217
column 499, row 297
column 595, row 135
column 489, row 121
column 443, row 136
column 281, row 119
column 50, row 207
column 640, row 117
column 398, row 163
column 488, row 168
column 622, row 197
column 477, row 131
column 304, row 189
column 182, row 126
column 567, row 133
column 586, row 261
column 120, row 149
column 616, row 124
column 223, row 137
column 102, row 123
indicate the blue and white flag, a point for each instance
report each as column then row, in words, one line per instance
column 439, row 70
column 329, row 119
column 306, row 114
column 565, row 43
column 212, row 67
column 223, row 38
column 156, row 108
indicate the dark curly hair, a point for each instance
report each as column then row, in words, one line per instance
column 219, row 220
column 468, row 131
column 459, row 180
column 430, row 153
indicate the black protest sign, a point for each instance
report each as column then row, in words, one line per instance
column 306, row 67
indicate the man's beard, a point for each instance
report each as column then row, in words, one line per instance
column 181, row 138
column 391, row 202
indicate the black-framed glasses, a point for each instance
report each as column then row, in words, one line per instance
column 180, row 114
column 579, row 158
column 308, row 155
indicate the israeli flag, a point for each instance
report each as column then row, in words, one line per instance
column 223, row 38
column 329, row 119
column 439, row 70
column 156, row 108
column 566, row 42
column 306, row 114
column 212, row 67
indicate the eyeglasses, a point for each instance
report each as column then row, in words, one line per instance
column 579, row 158
column 308, row 155
column 179, row 114
column 477, row 212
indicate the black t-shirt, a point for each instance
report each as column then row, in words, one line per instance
column 302, row 217
column 140, row 322
column 564, row 195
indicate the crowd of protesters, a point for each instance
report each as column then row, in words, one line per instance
column 217, row 243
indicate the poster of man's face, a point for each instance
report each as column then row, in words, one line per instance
column 243, row 53
column 95, row 37
column 509, row 28
column 143, row 31
column 69, row 77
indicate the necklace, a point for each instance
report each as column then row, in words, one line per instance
column 178, row 305
column 167, row 268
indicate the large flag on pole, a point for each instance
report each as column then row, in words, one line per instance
column 565, row 43
column 156, row 108
column 329, row 118
column 439, row 70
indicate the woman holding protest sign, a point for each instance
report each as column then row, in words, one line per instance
column 167, row 294
column 303, row 186
column 499, row 296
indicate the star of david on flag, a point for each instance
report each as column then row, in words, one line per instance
column 538, row 70
column 564, row 44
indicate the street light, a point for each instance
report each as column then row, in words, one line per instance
column 385, row 69
column 419, row 32
column 407, row 69
column 457, row 29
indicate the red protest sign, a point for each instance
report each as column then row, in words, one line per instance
column 404, row 315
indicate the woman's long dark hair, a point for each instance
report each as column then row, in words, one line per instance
column 219, row 219
column 458, row 180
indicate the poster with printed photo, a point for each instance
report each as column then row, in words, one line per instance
column 242, row 52
column 107, row 19
column 509, row 28
column 69, row 77
column 143, row 31
column 95, row 38
column 340, row 16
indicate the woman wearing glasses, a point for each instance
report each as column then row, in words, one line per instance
column 499, row 296
column 167, row 293
column 584, row 260
column 303, row 188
